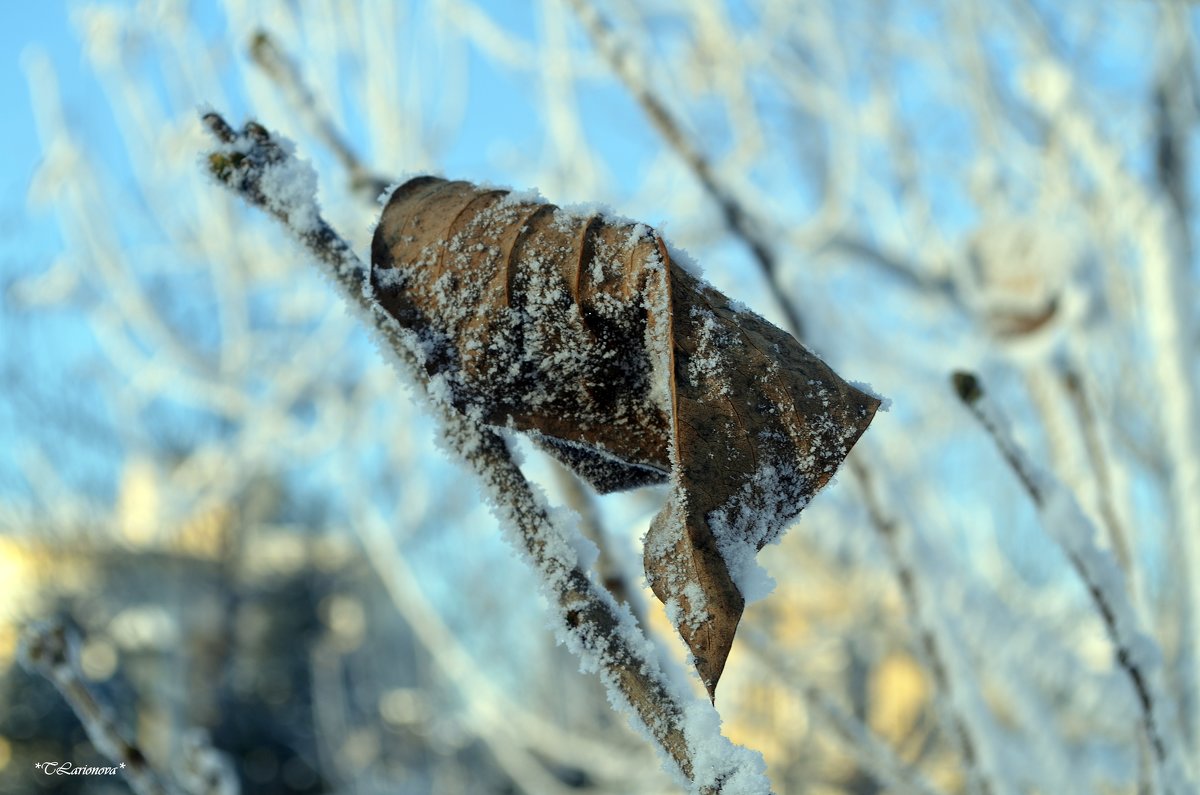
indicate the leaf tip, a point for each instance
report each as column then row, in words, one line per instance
column 710, row 667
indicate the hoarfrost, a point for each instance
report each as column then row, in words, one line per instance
column 290, row 187
column 527, row 196
column 386, row 195
column 658, row 340
column 885, row 403
column 707, row 365
column 684, row 260
column 717, row 762
column 574, row 212
column 585, row 550
column 755, row 517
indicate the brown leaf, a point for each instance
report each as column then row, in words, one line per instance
column 760, row 425
column 583, row 333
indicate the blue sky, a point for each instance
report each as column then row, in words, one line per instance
column 21, row 235
column 29, row 240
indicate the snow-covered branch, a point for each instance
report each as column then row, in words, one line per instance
column 51, row 649
column 1137, row 653
column 284, row 71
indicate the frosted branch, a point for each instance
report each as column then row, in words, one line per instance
column 1137, row 654
column 284, row 71
column 51, row 649
column 261, row 169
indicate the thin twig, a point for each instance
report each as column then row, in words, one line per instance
column 741, row 223
column 609, row 566
column 931, row 650
column 873, row 754
column 602, row 633
column 271, row 58
column 894, row 264
column 1070, row 528
column 51, row 649
column 1089, row 424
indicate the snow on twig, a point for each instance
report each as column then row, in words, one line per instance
column 1137, row 654
column 51, row 649
column 686, row 729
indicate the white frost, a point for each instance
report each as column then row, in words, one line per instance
column 708, row 366
column 716, row 760
column 1135, row 648
column 290, row 188
column 684, row 260
column 757, row 515
column 885, row 403
column 527, row 196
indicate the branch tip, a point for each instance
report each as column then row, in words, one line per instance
column 46, row 645
column 968, row 386
column 257, row 132
column 217, row 125
column 261, row 44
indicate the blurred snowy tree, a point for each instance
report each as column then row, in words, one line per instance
column 913, row 186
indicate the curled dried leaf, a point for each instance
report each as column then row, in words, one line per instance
column 581, row 332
